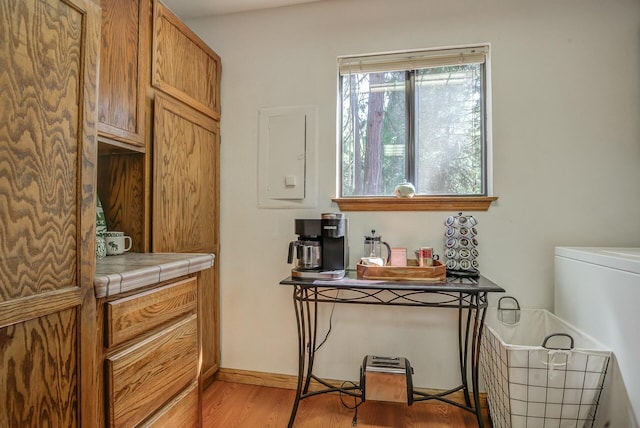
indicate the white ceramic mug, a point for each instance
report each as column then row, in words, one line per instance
column 116, row 243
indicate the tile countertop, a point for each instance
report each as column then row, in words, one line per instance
column 126, row 272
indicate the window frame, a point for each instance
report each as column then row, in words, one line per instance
column 420, row 202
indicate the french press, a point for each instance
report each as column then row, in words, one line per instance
column 372, row 246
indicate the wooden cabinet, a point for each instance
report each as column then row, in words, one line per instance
column 48, row 69
column 183, row 66
column 181, row 412
column 123, row 167
column 123, row 76
column 186, row 145
column 158, row 168
column 151, row 355
column 186, row 202
column 186, row 156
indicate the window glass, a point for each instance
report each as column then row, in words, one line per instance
column 418, row 120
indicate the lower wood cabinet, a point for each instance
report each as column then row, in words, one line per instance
column 182, row 411
column 151, row 357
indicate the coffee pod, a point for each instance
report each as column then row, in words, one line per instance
column 465, row 264
column 451, row 253
column 464, row 253
column 452, row 264
column 454, row 232
column 450, row 221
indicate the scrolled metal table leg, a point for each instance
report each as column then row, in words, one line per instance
column 478, row 324
column 300, row 322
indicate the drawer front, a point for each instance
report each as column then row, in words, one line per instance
column 143, row 377
column 134, row 315
column 180, row 412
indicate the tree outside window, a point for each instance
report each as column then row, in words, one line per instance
column 417, row 117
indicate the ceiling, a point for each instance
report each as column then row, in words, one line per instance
column 189, row 9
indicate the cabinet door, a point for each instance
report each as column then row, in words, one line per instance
column 48, row 66
column 181, row 412
column 122, row 70
column 185, row 185
column 132, row 316
column 183, row 66
column 186, row 205
column 145, row 376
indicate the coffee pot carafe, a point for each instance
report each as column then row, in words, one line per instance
column 373, row 247
column 308, row 254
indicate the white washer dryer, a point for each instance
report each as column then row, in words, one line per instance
column 598, row 291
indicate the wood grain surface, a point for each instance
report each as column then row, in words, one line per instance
column 182, row 411
column 40, row 63
column 121, row 187
column 178, row 55
column 134, row 315
column 143, row 377
column 209, row 321
column 185, row 185
column 233, row 405
column 48, row 115
column 122, row 76
column 38, row 372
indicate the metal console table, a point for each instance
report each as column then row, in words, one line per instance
column 468, row 294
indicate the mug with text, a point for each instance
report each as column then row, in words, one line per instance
column 116, row 243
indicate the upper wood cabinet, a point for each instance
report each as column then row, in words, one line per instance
column 123, row 76
column 48, row 71
column 185, row 185
column 179, row 55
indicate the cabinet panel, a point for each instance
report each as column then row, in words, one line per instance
column 48, row 72
column 122, row 187
column 145, row 376
column 180, row 412
column 185, row 194
column 40, row 147
column 209, row 322
column 39, row 372
column 179, row 55
column 122, row 70
column 134, row 315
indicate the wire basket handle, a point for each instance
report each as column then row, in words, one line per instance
column 509, row 315
column 546, row 339
column 509, row 298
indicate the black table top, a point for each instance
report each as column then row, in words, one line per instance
column 452, row 284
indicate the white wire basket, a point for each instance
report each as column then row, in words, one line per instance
column 540, row 371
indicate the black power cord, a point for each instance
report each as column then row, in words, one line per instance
column 356, row 404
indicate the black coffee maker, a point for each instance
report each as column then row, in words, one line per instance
column 321, row 250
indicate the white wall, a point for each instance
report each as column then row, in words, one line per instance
column 566, row 110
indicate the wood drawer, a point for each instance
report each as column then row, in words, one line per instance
column 143, row 377
column 181, row 412
column 129, row 317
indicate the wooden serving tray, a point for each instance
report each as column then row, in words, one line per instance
column 411, row 272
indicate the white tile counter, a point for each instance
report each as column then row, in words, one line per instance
column 129, row 271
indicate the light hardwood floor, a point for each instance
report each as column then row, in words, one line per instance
column 230, row 405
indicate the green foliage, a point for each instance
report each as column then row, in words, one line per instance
column 448, row 124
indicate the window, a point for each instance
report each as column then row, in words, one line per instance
column 417, row 117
